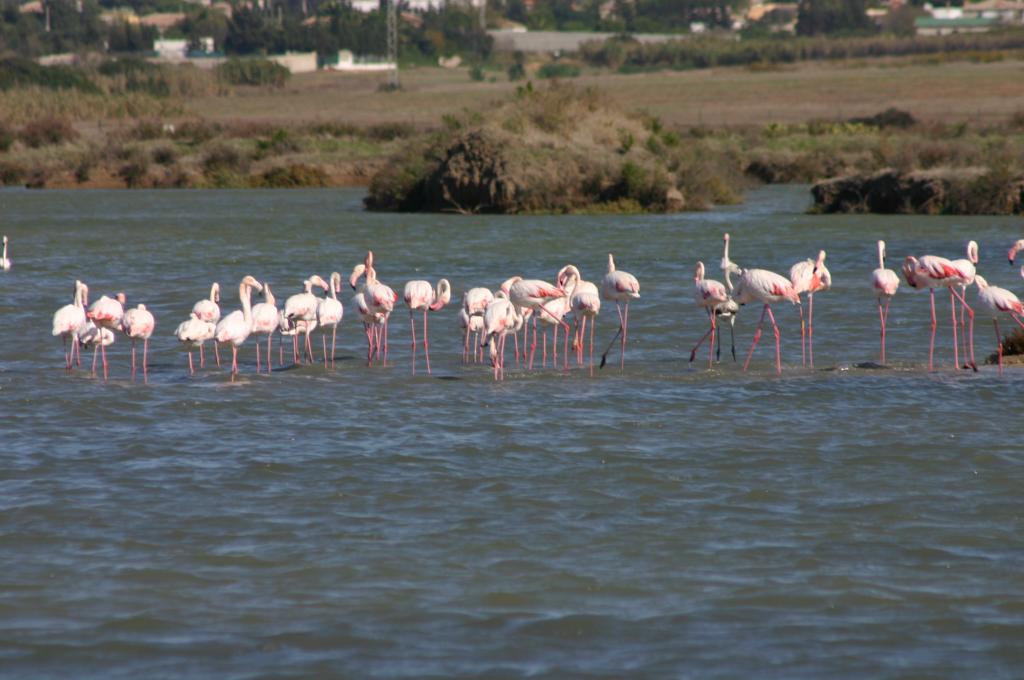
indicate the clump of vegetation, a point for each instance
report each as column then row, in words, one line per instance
column 292, row 176
column 25, row 72
column 890, row 118
column 256, row 72
column 47, row 132
column 560, row 149
column 165, row 155
column 558, row 69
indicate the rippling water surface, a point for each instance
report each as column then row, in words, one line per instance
column 661, row 521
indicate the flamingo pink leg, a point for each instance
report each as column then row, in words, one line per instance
column 270, row 337
column 95, row 351
column 145, row 356
column 191, row 369
column 234, row 359
column 999, row 344
column 931, row 345
column 803, row 337
column 426, row 342
column 757, row 337
column 810, row 329
column 412, row 325
column 216, row 352
column 591, row 347
column 202, row 358
column 258, row 357
column 970, row 314
column 956, row 345
column 565, row 350
column 133, row 357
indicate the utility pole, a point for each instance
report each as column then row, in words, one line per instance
column 483, row 14
column 393, row 44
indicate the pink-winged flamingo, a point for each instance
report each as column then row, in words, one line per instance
column 192, row 333
column 419, row 295
column 500, row 318
column 1014, row 249
column 968, row 270
column 767, row 287
column 933, row 272
column 471, row 325
column 264, row 322
column 5, row 262
column 208, row 309
column 728, row 310
column 329, row 312
column 107, row 313
column 533, row 294
column 1000, row 302
column 884, row 282
column 619, row 286
column 809, row 276
column 236, row 326
column 302, row 307
column 68, row 319
column 379, row 298
column 709, row 295
column 137, row 323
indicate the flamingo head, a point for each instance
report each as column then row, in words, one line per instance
column 444, row 295
column 980, row 280
column 564, row 274
column 317, row 281
column 1012, row 255
column 336, row 282
column 972, row 251
column 357, row 273
column 122, row 298
column 698, row 272
column 251, row 282
column 506, row 286
column 85, row 293
column 909, row 267
column 215, row 292
column 5, row 239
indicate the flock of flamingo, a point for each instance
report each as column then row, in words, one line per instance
column 491, row 317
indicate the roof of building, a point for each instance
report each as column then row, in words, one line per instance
column 963, row 22
column 162, row 20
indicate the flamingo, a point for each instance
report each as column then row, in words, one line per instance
column 933, row 272
column 728, row 310
column 5, row 262
column 98, row 337
column 809, row 276
column 68, row 319
column 302, row 307
column 968, row 270
column 265, row 321
column 208, row 309
column 419, row 295
column 329, row 313
column 500, row 318
column 106, row 313
column 474, row 302
column 193, row 332
column 533, row 294
column 710, row 295
column 554, row 315
column 885, row 282
column 585, row 304
column 237, row 325
column 621, row 287
column 526, row 313
column 288, row 328
column 1000, row 302
column 139, row 323
column 372, row 323
column 379, row 298
column 1014, row 249
column 767, row 287
column 471, row 325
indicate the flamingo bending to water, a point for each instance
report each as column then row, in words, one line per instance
column 709, row 295
column 767, row 287
column 585, row 304
column 302, row 307
column 884, row 282
column 193, row 332
column 933, row 272
column 97, row 337
column 379, row 299
column 474, row 302
column 419, row 295
column 620, row 286
column 208, row 309
column 500, row 318
column 107, row 313
column 1000, row 302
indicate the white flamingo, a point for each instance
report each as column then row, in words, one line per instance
column 329, row 312
column 106, row 313
column 208, row 309
column 265, row 322
column 419, row 295
column 97, row 337
column 237, row 325
column 884, row 282
column 139, row 323
column 192, row 333
column 619, row 287
column 474, row 302
column 68, row 319
column 302, row 307
column 5, row 262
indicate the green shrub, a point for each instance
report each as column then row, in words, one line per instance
column 280, row 142
column 257, row 72
column 134, row 173
column 11, row 173
column 476, row 73
column 165, row 155
column 19, row 72
column 48, row 131
column 385, row 132
column 291, row 176
column 557, row 69
column 7, row 137
column 223, row 158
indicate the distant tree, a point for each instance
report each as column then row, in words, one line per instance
column 205, row 23
column 817, row 17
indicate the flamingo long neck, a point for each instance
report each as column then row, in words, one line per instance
column 268, row 297
column 78, row 295
column 5, row 249
column 881, row 254
column 611, row 263
column 335, row 285
column 698, row 274
column 214, row 292
column 972, row 252
column 243, row 295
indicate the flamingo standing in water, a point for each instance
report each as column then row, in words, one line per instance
column 933, row 272
column 761, row 285
column 1014, row 249
column 619, row 286
column 471, row 318
column 809, row 276
column 728, row 310
column 1000, row 302
column 884, row 282
column 237, row 325
column 533, row 294
column 264, row 322
column 420, row 296
column 97, row 337
column 968, row 270
column 379, row 298
column 208, row 309
column 68, row 319
column 107, row 313
column 329, row 313
column 193, row 332
column 302, row 307
column 5, row 262
column 139, row 323
column 500, row 318
column 585, row 304
column 710, row 295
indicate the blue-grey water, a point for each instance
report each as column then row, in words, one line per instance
column 662, row 521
